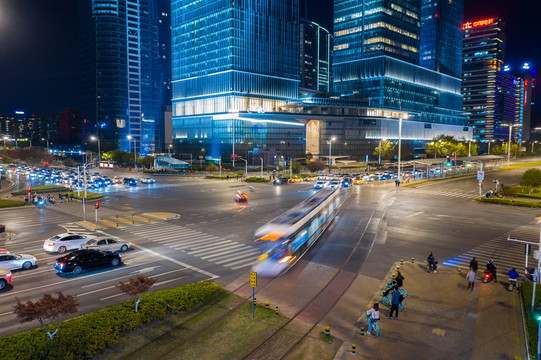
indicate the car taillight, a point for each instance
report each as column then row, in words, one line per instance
column 61, row 265
column 487, row 275
column 50, row 244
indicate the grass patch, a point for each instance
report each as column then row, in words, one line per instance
column 89, row 195
column 512, row 202
column 42, row 189
column 312, row 347
column 256, row 179
column 233, row 337
column 223, row 177
column 11, row 203
column 532, row 326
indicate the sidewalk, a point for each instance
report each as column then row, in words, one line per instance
column 441, row 319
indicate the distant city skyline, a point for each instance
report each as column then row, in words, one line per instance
column 38, row 62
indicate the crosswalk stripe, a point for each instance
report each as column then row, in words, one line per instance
column 200, row 249
column 249, row 260
column 220, row 252
column 163, row 231
column 182, row 244
column 240, row 256
column 187, row 238
column 244, row 265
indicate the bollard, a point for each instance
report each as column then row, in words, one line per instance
column 327, row 331
column 401, row 262
column 148, row 219
column 354, row 349
column 412, row 260
column 397, row 268
column 393, row 276
column 277, row 310
column 116, row 224
column 131, row 214
column 362, row 330
column 255, row 301
column 267, row 305
column 133, row 221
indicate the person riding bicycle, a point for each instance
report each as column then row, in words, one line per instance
column 431, row 262
column 492, row 268
column 513, row 276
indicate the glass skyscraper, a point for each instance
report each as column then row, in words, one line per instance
column 230, row 57
column 315, row 53
column 119, row 72
column 441, row 36
column 376, row 57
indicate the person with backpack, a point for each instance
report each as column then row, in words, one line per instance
column 395, row 301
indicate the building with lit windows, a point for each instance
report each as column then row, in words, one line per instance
column 441, row 36
column 486, row 89
column 376, row 58
column 315, row 57
column 119, row 72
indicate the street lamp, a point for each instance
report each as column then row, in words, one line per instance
column 169, row 149
column 509, row 145
column 5, row 138
column 379, row 154
column 399, row 176
column 261, row 159
column 93, row 138
column 330, row 147
column 469, row 148
column 134, row 151
column 491, row 141
column 43, row 139
column 534, row 142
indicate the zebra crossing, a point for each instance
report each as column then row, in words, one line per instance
column 506, row 255
column 227, row 253
column 75, row 227
column 457, row 194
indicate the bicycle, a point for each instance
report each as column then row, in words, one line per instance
column 386, row 300
column 375, row 326
column 402, row 291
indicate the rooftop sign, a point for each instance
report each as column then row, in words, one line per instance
column 473, row 24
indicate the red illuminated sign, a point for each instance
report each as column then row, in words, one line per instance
column 473, row 24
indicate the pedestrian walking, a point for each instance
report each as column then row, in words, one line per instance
column 72, row 197
column 395, row 301
column 399, row 279
column 473, row 265
column 471, row 279
column 374, row 317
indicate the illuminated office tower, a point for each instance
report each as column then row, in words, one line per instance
column 441, row 36
column 231, row 58
column 119, row 72
column 376, row 58
column 315, row 57
column 483, row 57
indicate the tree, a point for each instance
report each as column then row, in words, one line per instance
column 69, row 162
column 308, row 156
column 212, row 167
column 146, row 161
column 48, row 307
column 388, row 150
column 136, row 287
column 315, row 166
column 531, row 178
column 296, row 167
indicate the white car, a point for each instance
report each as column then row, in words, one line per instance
column 16, row 262
column 320, row 185
column 106, row 244
column 147, row 180
column 66, row 241
column 335, row 185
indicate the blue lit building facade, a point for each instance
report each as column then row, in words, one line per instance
column 315, row 53
column 376, row 58
column 231, row 59
column 119, row 72
column 441, row 36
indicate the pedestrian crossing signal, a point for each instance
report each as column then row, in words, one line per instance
column 448, row 162
column 97, row 205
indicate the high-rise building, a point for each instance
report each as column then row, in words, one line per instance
column 69, row 127
column 315, row 57
column 163, row 128
column 231, row 57
column 441, row 36
column 119, row 72
column 376, row 57
column 483, row 57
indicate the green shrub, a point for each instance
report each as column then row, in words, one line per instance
column 11, row 203
column 223, row 177
column 256, row 179
column 513, row 202
column 532, row 326
column 88, row 335
column 42, row 189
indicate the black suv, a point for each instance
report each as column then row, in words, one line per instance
column 129, row 181
column 79, row 260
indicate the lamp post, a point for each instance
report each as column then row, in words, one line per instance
column 94, row 138
column 509, row 145
column 134, row 151
column 533, row 142
column 245, row 167
column 469, row 148
column 261, row 159
column 399, row 176
column 330, row 147
column 489, row 145
column 47, row 143
column 169, row 149
column 379, row 152
column 5, row 138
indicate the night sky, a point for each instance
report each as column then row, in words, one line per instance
column 38, row 46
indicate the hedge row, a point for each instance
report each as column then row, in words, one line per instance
column 223, row 177
column 256, row 179
column 532, row 326
column 42, row 189
column 89, row 335
column 11, row 203
column 513, row 202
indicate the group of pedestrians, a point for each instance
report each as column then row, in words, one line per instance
column 396, row 299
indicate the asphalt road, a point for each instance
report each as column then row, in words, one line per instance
column 377, row 225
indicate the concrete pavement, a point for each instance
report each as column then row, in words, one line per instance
column 441, row 319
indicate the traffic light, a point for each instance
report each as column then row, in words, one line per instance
column 29, row 189
column 537, row 312
column 234, row 156
column 448, row 162
column 453, row 161
column 97, row 205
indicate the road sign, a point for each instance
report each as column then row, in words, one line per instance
column 253, row 279
column 480, row 175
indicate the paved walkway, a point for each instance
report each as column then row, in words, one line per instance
column 441, row 319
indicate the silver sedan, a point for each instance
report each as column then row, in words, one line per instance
column 16, row 262
column 106, row 244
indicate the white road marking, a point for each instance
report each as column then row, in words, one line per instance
column 417, row 213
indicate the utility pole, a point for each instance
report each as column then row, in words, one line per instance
column 261, row 159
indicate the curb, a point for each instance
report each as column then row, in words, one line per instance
column 176, row 216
